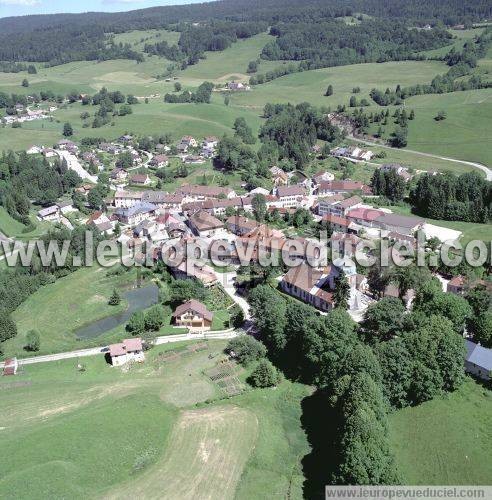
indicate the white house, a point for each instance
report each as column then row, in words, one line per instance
column 34, row 150
column 126, row 351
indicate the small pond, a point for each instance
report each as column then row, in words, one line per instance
column 137, row 298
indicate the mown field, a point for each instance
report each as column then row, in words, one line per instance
column 446, row 441
column 109, row 433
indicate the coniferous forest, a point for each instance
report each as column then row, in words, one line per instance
column 304, row 31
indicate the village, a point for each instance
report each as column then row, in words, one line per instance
column 135, row 214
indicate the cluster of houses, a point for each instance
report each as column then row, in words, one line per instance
column 352, row 153
column 25, row 114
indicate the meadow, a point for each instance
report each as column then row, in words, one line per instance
column 107, row 432
column 447, row 440
column 465, row 134
column 163, row 428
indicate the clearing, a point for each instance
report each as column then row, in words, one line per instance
column 208, row 449
column 447, row 440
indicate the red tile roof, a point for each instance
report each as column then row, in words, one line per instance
column 335, row 219
column 195, row 306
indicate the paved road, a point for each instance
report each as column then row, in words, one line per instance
column 483, row 168
column 74, row 164
column 227, row 281
column 95, row 351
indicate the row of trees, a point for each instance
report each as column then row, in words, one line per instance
column 202, row 95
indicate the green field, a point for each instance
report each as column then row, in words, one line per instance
column 13, row 228
column 138, row 39
column 56, row 310
column 153, row 118
column 311, row 85
column 106, row 433
column 447, row 440
column 230, row 64
column 465, row 134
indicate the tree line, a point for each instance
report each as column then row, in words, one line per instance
column 466, row 197
column 461, row 64
column 25, row 179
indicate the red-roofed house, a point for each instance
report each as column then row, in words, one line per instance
column 364, row 216
column 193, row 314
column 128, row 350
column 337, row 223
column 10, row 366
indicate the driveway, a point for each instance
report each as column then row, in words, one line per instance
column 483, row 168
column 74, row 164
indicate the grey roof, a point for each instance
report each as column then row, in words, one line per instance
column 406, row 221
column 139, row 208
column 478, row 355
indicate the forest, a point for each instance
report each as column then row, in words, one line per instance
column 362, row 372
column 467, row 197
column 59, row 38
column 334, row 43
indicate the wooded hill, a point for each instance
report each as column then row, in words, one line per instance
column 59, row 38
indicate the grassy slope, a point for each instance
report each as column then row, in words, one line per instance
column 311, row 85
column 86, row 438
column 58, row 309
column 153, row 118
column 461, row 37
column 446, row 441
column 465, row 133
column 134, row 38
column 229, row 64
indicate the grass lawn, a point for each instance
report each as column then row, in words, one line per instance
column 8, row 225
column 221, row 320
column 311, row 85
column 58, row 309
column 447, row 440
column 15, row 229
column 105, row 431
